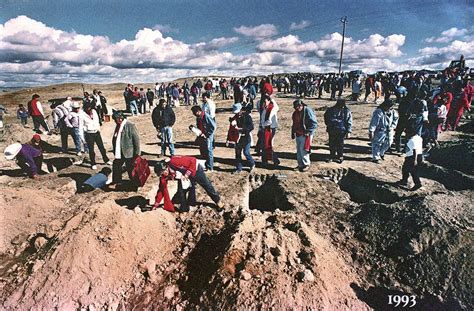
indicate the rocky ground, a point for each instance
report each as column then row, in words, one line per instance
column 338, row 237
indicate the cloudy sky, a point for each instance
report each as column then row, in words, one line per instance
column 54, row 41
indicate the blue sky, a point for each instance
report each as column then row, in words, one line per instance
column 43, row 42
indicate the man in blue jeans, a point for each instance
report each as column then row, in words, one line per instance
column 163, row 119
column 242, row 121
column 304, row 125
column 72, row 121
column 207, row 126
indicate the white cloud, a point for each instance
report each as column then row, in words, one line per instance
column 440, row 57
column 375, row 46
column 301, row 25
column 165, row 28
column 447, row 35
column 260, row 31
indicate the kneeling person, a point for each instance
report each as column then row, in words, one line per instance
column 28, row 158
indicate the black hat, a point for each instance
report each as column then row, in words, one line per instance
column 297, row 103
column 160, row 167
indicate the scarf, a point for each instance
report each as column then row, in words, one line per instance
column 118, row 140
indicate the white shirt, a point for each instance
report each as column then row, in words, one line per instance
column 414, row 143
column 210, row 108
column 272, row 120
column 118, row 141
column 68, row 104
column 90, row 124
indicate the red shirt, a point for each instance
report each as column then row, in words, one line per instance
column 34, row 108
column 298, row 123
column 184, row 164
column 267, row 88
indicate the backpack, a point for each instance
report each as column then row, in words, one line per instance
column 141, row 171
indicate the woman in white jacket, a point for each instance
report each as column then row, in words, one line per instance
column 91, row 127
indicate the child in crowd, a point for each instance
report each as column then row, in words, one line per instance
column 22, row 114
column 413, row 159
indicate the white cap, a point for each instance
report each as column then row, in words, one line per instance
column 12, row 150
column 76, row 105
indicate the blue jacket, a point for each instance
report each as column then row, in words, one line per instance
column 99, row 180
column 310, row 123
column 338, row 120
column 208, row 124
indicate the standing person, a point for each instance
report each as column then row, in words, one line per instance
column 304, row 125
column 22, row 114
column 98, row 105
column 72, row 122
column 268, row 126
column 28, row 158
column 35, row 109
column 194, row 94
column 186, row 93
column 103, row 104
column 238, row 92
column 175, row 95
column 369, row 86
column 338, row 120
column 133, row 99
column 378, row 89
column 209, row 106
column 267, row 88
column 224, row 89
column 59, row 114
column 356, row 86
column 340, row 85
column 91, row 127
column 163, row 119
column 206, row 124
column 150, row 96
column 190, row 170
column 127, row 97
column 142, row 101
column 413, row 159
column 125, row 145
column 379, row 128
column 333, row 84
column 244, row 126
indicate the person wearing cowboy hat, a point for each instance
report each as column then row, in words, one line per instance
column 72, row 122
column 28, row 158
column 304, row 125
column 379, row 130
column 242, row 122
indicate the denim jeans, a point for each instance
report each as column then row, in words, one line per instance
column 210, row 152
column 243, row 145
column 77, row 138
column 302, row 155
column 167, row 140
column 133, row 107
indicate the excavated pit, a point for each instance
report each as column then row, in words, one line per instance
column 267, row 194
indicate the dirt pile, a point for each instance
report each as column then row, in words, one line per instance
column 93, row 259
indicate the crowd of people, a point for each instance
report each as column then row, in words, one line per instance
column 422, row 112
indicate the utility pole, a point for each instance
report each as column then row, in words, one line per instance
column 343, row 21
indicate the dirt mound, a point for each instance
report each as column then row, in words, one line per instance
column 94, row 259
column 422, row 246
column 15, row 133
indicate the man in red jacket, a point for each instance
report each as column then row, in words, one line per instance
column 35, row 109
column 186, row 168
